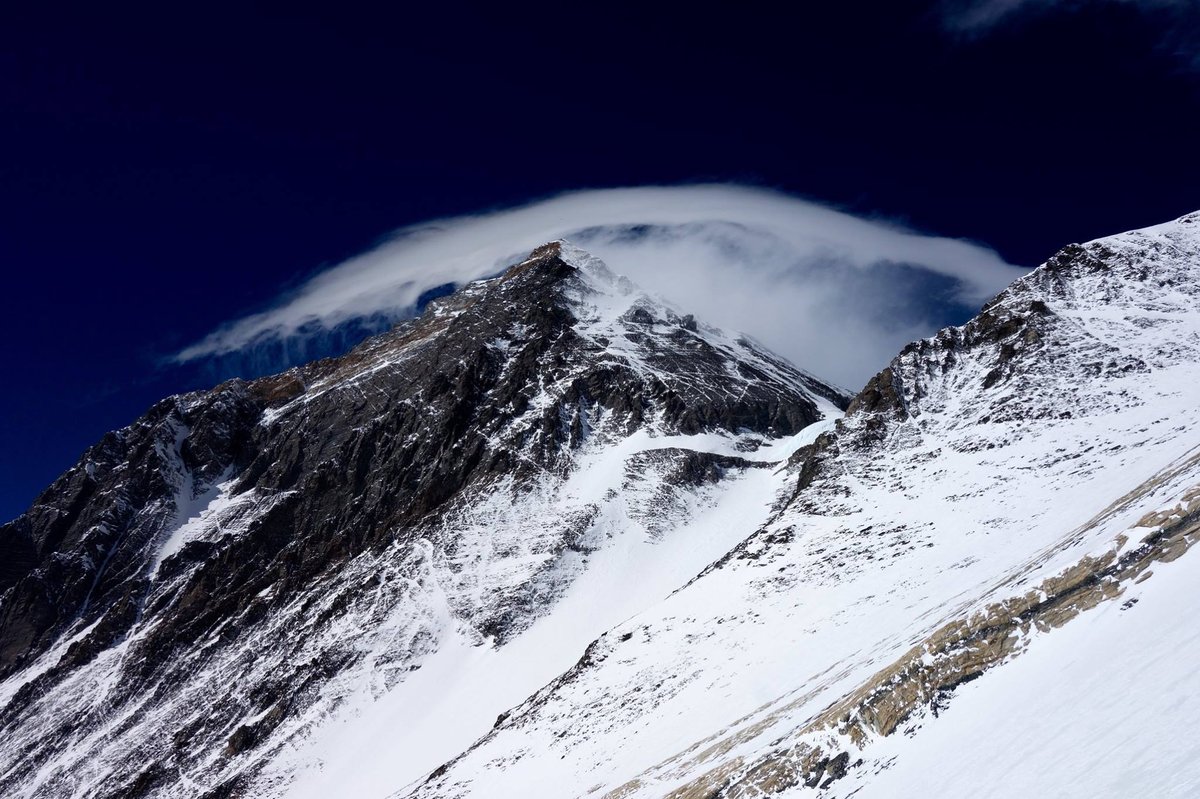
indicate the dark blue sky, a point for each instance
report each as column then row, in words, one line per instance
column 164, row 171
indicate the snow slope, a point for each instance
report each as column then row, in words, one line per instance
column 982, row 463
column 1099, row 708
column 461, row 689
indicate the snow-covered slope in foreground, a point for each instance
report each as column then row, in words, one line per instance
column 1100, row 707
column 973, row 536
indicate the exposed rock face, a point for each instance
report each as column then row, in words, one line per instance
column 198, row 590
column 80, row 550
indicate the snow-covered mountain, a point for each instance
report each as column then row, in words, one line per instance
column 556, row 538
column 211, row 596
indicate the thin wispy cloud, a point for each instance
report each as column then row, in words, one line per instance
column 836, row 293
column 980, row 17
column 975, row 16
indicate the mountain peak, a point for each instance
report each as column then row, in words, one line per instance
column 560, row 259
column 444, row 482
column 546, row 258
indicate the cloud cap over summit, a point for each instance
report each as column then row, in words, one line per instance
column 783, row 269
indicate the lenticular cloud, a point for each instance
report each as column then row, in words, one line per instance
column 836, row 293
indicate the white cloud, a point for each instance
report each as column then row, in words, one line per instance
column 836, row 293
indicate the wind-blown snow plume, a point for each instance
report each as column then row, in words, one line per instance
column 832, row 291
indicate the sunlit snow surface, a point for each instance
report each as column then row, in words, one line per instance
column 460, row 690
column 977, row 496
column 1100, row 707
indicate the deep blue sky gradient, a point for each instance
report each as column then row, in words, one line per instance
column 162, row 171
